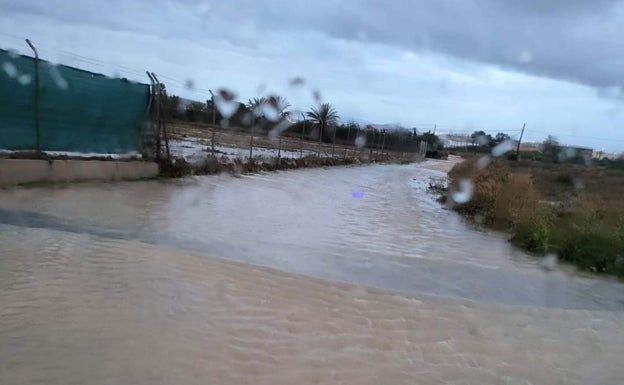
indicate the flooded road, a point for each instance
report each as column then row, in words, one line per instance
column 117, row 283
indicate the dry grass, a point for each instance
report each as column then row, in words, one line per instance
column 576, row 212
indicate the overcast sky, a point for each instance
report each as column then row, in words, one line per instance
column 460, row 64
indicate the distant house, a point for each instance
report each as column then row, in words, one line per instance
column 584, row 152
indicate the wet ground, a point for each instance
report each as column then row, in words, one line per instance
column 116, row 283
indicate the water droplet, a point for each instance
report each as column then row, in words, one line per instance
column 566, row 153
column 279, row 128
column 360, row 141
column 189, row 84
column 10, row 69
column 270, row 109
column 464, row 194
column 526, row 57
column 204, row 8
column 12, row 53
column 502, row 148
column 317, row 96
column 248, row 119
column 549, row 262
column 296, row 82
column 58, row 78
column 226, row 103
column 483, row 162
column 261, row 88
column 482, row 140
column 24, row 79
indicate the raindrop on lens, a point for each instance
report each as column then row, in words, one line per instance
column 10, row 69
column 24, row 79
column 226, row 103
column 360, row 141
column 502, row 148
column 464, row 194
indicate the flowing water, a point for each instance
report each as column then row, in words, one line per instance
column 340, row 275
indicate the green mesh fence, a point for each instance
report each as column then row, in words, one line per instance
column 79, row 111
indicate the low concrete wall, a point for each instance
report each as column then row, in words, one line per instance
column 22, row 171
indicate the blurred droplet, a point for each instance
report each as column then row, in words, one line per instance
column 24, row 79
column 479, row 218
column 296, row 82
column 317, row 95
column 58, row 78
column 248, row 119
column 360, row 141
column 549, row 262
column 189, row 84
column 204, row 8
column 261, row 88
column 10, row 69
column 270, row 109
column 483, row 162
column 566, row 153
column 502, row 148
column 12, row 53
column 226, row 103
column 579, row 184
column 525, row 57
column 482, row 140
column 464, row 194
column 279, row 128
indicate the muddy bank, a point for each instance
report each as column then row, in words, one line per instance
column 180, row 167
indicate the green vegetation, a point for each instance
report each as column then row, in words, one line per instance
column 574, row 211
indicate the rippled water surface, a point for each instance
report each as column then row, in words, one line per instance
column 117, row 283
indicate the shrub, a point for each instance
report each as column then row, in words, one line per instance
column 565, row 178
column 595, row 252
column 512, row 156
column 532, row 234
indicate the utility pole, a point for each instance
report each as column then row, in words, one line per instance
column 519, row 141
column 302, row 135
column 36, row 101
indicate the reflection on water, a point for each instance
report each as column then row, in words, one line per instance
column 114, row 283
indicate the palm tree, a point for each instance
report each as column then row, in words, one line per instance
column 255, row 104
column 323, row 116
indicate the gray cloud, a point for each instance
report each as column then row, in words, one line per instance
column 574, row 40
column 579, row 41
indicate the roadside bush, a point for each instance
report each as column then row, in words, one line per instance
column 487, row 184
column 532, row 234
column 565, row 178
column 512, row 156
column 601, row 253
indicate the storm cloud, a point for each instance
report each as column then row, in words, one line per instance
column 474, row 63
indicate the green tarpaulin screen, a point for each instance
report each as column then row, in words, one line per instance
column 79, row 111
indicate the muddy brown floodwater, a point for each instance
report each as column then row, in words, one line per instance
column 344, row 275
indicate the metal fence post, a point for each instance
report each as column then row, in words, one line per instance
column 36, row 101
column 251, row 147
column 212, row 142
column 302, row 135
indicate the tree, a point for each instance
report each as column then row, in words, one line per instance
column 480, row 138
column 324, row 116
column 195, row 112
column 432, row 140
column 500, row 138
column 551, row 148
column 172, row 106
column 255, row 105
